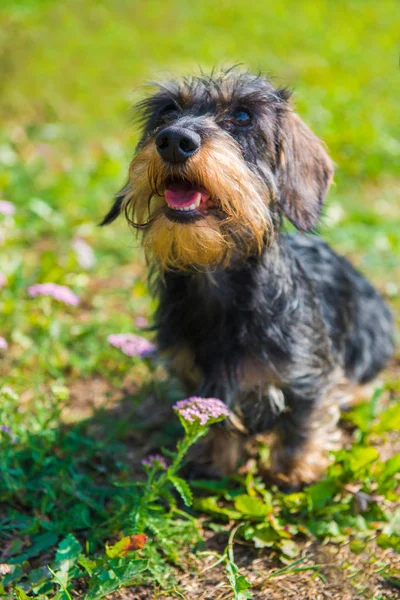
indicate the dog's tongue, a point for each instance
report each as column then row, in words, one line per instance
column 181, row 194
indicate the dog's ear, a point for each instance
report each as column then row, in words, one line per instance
column 116, row 208
column 304, row 175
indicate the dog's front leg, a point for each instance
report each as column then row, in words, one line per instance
column 220, row 451
column 217, row 454
column 305, row 435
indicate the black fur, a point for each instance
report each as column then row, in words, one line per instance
column 116, row 208
column 299, row 312
column 302, row 310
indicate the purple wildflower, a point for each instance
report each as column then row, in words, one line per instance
column 155, row 460
column 201, row 409
column 3, row 344
column 131, row 344
column 141, row 322
column 8, row 431
column 84, row 253
column 3, row 280
column 7, row 208
column 58, row 292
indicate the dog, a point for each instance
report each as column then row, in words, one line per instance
column 278, row 326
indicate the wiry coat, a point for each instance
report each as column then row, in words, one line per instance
column 276, row 329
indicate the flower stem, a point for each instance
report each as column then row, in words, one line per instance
column 155, row 485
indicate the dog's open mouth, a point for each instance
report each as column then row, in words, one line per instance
column 185, row 201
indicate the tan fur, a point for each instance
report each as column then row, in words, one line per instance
column 297, row 465
column 254, row 374
column 297, row 469
column 184, row 367
column 182, row 244
column 219, row 452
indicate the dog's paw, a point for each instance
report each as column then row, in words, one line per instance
column 292, row 469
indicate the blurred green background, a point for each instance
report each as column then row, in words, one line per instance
column 79, row 63
column 69, row 72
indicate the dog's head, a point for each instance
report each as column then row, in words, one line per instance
column 220, row 156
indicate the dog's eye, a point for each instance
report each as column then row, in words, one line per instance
column 241, row 118
column 168, row 111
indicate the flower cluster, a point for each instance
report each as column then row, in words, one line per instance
column 6, row 208
column 203, row 410
column 3, row 344
column 132, row 345
column 58, row 292
column 155, row 460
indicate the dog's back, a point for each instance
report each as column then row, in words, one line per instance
column 359, row 322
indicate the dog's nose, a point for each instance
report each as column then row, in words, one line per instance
column 175, row 144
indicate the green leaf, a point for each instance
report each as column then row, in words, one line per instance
column 389, row 541
column 358, row 546
column 87, row 563
column 68, row 548
column 393, row 527
column 239, row 583
column 360, row 457
column 391, row 467
column 263, row 536
column 120, row 573
column 39, row 543
column 324, row 529
column 363, row 414
column 389, row 420
column 251, row 506
column 21, row 595
column 101, row 587
column 320, row 494
column 61, row 576
column 295, row 501
column 127, row 573
column 182, row 488
column 129, row 543
column 210, row 505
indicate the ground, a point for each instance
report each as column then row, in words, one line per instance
column 77, row 415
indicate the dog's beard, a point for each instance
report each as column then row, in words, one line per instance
column 236, row 224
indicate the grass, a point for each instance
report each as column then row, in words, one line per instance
column 80, row 415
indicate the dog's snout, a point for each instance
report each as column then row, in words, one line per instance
column 175, row 144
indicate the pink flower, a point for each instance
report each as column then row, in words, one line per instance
column 3, row 344
column 141, row 321
column 132, row 345
column 84, row 253
column 155, row 460
column 6, row 208
column 8, row 431
column 58, row 292
column 3, row 280
column 203, row 410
